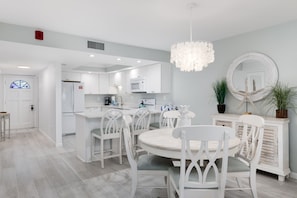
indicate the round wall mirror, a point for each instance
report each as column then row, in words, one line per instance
column 252, row 75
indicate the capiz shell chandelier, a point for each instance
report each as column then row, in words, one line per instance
column 192, row 56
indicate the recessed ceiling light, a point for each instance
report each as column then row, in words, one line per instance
column 118, row 59
column 23, row 67
column 91, row 55
column 138, row 61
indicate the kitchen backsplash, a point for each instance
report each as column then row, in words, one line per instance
column 130, row 100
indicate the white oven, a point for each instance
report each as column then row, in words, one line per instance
column 137, row 85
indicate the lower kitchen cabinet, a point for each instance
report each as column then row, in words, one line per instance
column 275, row 150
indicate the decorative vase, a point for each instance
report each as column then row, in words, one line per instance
column 281, row 113
column 184, row 118
column 221, row 108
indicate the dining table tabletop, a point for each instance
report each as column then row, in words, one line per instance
column 161, row 142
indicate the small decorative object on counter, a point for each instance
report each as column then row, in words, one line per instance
column 141, row 105
column 169, row 107
column 185, row 116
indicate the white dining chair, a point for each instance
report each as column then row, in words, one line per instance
column 140, row 123
column 172, row 118
column 111, row 126
column 146, row 164
column 244, row 163
column 162, row 122
column 198, row 174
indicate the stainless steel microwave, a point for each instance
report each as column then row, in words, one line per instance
column 137, row 85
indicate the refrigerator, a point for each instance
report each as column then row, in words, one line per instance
column 73, row 101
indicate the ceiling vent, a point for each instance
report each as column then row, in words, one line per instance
column 95, row 45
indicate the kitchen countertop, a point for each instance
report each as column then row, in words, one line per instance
column 99, row 114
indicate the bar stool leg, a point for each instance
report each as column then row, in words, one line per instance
column 1, row 128
column 4, row 127
column 8, row 126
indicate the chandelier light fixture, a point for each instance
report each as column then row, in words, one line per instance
column 192, row 56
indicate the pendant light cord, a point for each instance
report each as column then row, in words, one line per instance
column 191, row 24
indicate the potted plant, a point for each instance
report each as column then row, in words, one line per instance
column 220, row 89
column 283, row 98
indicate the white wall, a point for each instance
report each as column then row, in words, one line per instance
column 195, row 89
column 50, row 103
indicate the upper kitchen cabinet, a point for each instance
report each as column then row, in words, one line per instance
column 71, row 76
column 104, row 83
column 157, row 77
column 91, row 83
column 117, row 83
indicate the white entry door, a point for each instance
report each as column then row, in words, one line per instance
column 18, row 101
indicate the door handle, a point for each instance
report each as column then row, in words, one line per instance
column 32, row 107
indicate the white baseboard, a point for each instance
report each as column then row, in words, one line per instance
column 60, row 144
column 48, row 137
column 293, row 175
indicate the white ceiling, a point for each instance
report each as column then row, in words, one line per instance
column 155, row 24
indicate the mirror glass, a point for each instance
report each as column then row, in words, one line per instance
column 252, row 75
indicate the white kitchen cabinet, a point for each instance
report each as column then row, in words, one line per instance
column 275, row 150
column 103, row 83
column 157, row 77
column 91, row 83
column 117, row 83
column 71, row 76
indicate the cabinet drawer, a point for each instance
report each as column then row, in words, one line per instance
column 223, row 123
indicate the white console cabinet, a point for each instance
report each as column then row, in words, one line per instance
column 275, row 150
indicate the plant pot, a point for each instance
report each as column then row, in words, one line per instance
column 221, row 108
column 281, row 113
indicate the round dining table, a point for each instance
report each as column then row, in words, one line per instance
column 161, row 142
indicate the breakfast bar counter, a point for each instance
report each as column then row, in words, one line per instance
column 85, row 123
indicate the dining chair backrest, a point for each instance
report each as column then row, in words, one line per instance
column 194, row 176
column 172, row 118
column 162, row 122
column 251, row 138
column 162, row 119
column 112, row 123
column 131, row 155
column 141, row 120
column 140, row 123
column 145, row 164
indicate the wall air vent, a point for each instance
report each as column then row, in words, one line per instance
column 95, row 45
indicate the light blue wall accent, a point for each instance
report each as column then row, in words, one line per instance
column 195, row 89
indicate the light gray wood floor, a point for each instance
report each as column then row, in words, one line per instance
column 31, row 166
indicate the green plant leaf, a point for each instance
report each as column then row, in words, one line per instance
column 282, row 97
column 220, row 89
